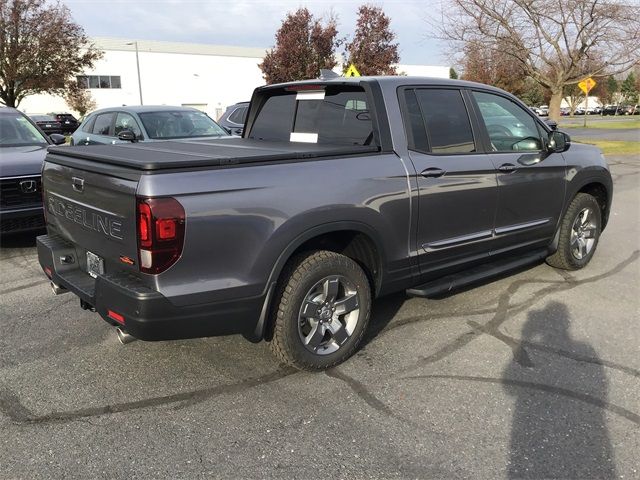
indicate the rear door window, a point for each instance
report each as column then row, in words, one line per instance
column 239, row 115
column 336, row 115
column 445, row 116
column 102, row 126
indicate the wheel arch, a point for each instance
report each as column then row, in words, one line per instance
column 602, row 195
column 356, row 240
column 597, row 187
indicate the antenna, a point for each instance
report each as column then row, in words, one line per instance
column 328, row 74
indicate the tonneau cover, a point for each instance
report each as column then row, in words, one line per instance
column 204, row 153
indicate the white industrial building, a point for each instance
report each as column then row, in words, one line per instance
column 208, row 77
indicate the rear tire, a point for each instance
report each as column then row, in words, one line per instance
column 321, row 310
column 579, row 234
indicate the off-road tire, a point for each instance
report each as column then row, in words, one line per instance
column 563, row 257
column 298, row 277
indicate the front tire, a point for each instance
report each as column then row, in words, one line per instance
column 579, row 234
column 322, row 310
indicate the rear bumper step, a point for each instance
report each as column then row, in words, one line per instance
column 145, row 313
column 474, row 275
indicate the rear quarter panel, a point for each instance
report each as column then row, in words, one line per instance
column 241, row 220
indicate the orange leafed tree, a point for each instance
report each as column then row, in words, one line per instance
column 304, row 46
column 373, row 50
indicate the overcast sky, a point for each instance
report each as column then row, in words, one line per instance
column 250, row 23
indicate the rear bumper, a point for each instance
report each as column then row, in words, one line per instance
column 148, row 315
column 21, row 219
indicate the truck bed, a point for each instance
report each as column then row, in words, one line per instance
column 149, row 156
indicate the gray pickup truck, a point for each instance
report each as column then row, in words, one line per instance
column 340, row 191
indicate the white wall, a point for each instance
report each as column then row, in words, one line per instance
column 167, row 79
column 209, row 76
column 424, row 70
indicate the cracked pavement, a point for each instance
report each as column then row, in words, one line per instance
column 533, row 375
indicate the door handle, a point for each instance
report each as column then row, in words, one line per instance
column 530, row 159
column 432, row 172
column 507, row 167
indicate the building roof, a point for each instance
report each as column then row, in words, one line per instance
column 156, row 46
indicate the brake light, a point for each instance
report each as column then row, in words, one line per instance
column 161, row 223
column 304, row 87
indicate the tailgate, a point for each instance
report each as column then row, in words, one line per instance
column 94, row 211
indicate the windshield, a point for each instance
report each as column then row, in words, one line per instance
column 180, row 124
column 15, row 131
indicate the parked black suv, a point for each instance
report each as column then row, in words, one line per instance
column 232, row 120
column 68, row 122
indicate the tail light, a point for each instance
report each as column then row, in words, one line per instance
column 160, row 233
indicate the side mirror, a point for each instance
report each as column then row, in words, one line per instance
column 127, row 136
column 559, row 141
column 57, row 139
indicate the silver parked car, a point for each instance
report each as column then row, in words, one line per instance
column 145, row 123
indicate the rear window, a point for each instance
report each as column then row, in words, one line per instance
column 330, row 115
column 239, row 115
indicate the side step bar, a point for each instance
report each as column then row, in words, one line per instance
column 474, row 275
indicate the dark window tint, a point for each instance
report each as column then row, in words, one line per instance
column 124, row 121
column 98, row 81
column 83, row 81
column 103, row 124
column 341, row 117
column 510, row 127
column 87, row 126
column 416, row 133
column 239, row 115
column 275, row 118
column 447, row 121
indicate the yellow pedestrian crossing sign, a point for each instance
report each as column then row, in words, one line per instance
column 587, row 84
column 352, row 71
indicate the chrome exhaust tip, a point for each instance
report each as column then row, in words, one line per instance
column 57, row 289
column 124, row 337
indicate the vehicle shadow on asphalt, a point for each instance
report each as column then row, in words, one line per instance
column 558, row 428
column 383, row 311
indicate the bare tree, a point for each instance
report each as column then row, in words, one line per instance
column 557, row 42
column 41, row 49
column 484, row 64
column 373, row 50
column 303, row 46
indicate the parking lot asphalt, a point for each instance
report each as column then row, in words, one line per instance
column 534, row 375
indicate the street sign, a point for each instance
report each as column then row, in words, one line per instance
column 587, row 84
column 352, row 71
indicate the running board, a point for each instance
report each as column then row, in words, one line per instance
column 476, row 274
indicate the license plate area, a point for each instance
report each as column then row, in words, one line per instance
column 95, row 264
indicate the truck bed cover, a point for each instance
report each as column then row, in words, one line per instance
column 150, row 156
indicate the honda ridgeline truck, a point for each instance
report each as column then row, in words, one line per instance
column 339, row 191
